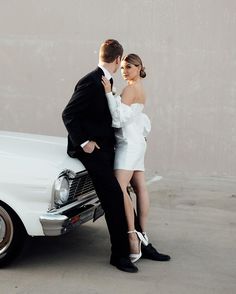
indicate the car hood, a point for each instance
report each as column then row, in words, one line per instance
column 50, row 151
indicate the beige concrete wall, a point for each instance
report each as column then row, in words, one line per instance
column 189, row 50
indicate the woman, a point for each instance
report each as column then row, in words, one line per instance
column 132, row 128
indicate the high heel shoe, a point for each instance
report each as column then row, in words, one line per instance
column 135, row 256
column 142, row 237
column 145, row 242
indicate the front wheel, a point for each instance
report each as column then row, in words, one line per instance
column 12, row 235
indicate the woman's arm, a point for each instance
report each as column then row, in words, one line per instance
column 127, row 95
column 119, row 106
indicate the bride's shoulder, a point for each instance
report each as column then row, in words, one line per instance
column 128, row 94
column 128, row 89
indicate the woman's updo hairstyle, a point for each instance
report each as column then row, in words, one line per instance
column 135, row 60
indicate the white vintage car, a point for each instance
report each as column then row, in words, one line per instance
column 43, row 192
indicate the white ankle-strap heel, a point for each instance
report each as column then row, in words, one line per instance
column 135, row 256
column 146, row 238
column 142, row 236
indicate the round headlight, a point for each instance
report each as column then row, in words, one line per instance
column 61, row 192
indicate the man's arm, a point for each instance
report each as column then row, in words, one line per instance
column 76, row 111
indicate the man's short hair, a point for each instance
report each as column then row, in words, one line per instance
column 110, row 50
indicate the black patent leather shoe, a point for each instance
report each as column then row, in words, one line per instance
column 149, row 252
column 124, row 264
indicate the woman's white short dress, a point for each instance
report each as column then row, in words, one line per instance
column 132, row 127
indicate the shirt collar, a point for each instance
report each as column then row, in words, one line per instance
column 106, row 72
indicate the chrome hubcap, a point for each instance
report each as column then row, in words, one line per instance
column 6, row 230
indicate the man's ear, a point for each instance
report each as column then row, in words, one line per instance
column 118, row 59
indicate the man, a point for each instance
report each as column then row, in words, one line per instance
column 91, row 140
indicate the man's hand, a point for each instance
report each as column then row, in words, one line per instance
column 90, row 146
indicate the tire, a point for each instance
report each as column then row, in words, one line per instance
column 12, row 235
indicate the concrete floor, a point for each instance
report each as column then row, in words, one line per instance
column 192, row 219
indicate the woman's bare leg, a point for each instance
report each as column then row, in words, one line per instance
column 139, row 185
column 124, row 177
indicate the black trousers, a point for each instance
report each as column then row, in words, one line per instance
column 99, row 165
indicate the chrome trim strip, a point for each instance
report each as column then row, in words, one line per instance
column 58, row 224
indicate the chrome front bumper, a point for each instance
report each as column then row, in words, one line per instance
column 55, row 224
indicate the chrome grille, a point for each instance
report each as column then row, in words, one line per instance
column 81, row 186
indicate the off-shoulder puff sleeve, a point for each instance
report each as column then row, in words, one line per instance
column 121, row 113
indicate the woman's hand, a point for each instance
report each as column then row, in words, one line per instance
column 106, row 84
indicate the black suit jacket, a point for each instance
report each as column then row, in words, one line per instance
column 87, row 115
